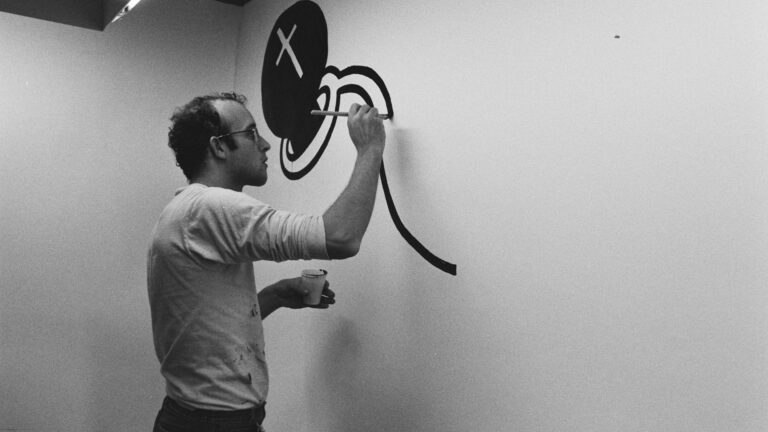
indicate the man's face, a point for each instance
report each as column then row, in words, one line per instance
column 249, row 157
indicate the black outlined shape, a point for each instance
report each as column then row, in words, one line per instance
column 295, row 81
column 415, row 244
column 294, row 64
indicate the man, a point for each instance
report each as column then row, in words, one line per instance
column 206, row 313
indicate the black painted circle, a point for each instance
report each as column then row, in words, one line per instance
column 286, row 97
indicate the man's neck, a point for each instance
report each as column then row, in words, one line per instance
column 213, row 179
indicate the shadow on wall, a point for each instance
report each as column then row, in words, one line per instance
column 391, row 363
column 350, row 393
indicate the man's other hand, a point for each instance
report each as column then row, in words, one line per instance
column 291, row 294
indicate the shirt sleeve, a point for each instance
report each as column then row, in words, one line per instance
column 232, row 227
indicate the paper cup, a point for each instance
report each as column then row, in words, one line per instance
column 313, row 281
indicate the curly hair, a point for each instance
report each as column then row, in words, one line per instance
column 192, row 126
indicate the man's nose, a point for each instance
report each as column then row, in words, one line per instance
column 264, row 144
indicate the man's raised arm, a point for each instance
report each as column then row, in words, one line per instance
column 348, row 217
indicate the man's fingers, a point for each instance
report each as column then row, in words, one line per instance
column 356, row 110
column 325, row 302
column 328, row 297
column 327, row 292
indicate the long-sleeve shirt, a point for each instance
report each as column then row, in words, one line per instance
column 207, row 329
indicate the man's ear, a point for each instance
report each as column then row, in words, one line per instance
column 217, row 147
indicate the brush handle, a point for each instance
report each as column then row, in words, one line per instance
column 342, row 114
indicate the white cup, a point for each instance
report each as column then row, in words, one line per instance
column 313, row 281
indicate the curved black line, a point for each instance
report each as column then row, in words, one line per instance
column 407, row 236
column 373, row 76
column 360, row 91
column 299, row 174
column 415, row 244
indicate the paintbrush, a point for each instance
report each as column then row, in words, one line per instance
column 342, row 114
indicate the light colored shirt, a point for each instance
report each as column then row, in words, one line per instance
column 206, row 324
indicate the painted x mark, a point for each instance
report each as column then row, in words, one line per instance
column 286, row 42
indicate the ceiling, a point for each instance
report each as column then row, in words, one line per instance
column 91, row 14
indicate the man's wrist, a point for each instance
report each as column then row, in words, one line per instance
column 372, row 151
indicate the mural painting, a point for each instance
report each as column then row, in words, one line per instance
column 296, row 80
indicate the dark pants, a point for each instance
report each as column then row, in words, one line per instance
column 175, row 418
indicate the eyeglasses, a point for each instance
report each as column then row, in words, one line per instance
column 253, row 133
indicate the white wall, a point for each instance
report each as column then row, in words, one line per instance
column 84, row 173
column 604, row 198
